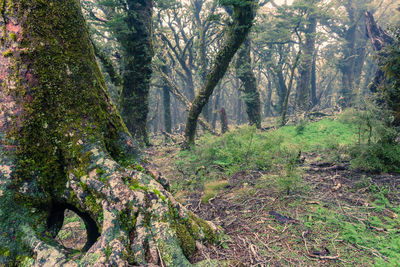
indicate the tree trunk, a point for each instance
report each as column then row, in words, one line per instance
column 224, row 120
column 236, row 34
column 216, row 104
column 313, row 92
column 346, row 64
column 137, row 47
column 289, row 89
column 281, row 88
column 245, row 73
column 63, row 146
column 268, row 111
column 166, row 102
column 305, row 66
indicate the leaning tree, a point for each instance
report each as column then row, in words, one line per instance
column 64, row 146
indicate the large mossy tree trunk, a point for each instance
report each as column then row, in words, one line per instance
column 64, row 146
column 135, row 37
column 237, row 31
column 245, row 73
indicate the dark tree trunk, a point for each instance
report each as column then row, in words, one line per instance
column 137, row 46
column 224, row 120
column 289, row 89
column 236, row 34
column 61, row 143
column 167, row 109
column 305, row 66
column 268, row 111
column 281, row 88
column 245, row 73
column 166, row 102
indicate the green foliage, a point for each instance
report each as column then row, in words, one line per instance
column 239, row 150
column 391, row 65
column 242, row 149
column 376, row 149
column 377, row 157
column 323, row 134
column 290, row 177
column 300, row 127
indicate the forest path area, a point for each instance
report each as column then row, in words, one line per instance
column 337, row 217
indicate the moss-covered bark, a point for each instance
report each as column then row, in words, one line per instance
column 243, row 13
column 64, row 146
column 135, row 37
column 305, row 66
column 245, row 73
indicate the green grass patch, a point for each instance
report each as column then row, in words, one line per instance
column 323, row 134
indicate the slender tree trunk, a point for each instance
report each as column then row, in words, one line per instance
column 236, row 34
column 245, row 73
column 138, row 49
column 166, row 102
column 216, row 104
column 62, row 147
column 268, row 111
column 313, row 92
column 281, row 89
column 167, row 109
column 289, row 89
column 224, row 120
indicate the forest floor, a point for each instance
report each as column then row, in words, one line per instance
column 320, row 212
column 336, row 216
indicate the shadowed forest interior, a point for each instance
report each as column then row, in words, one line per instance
column 200, row 133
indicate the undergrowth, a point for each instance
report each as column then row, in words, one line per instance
column 239, row 150
column 360, row 136
column 374, row 228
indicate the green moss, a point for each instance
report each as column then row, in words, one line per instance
column 107, row 252
column 205, row 228
column 8, row 53
column 186, row 241
column 100, row 172
column 67, row 86
column 92, row 205
column 158, row 193
column 134, row 185
column 13, row 36
column 128, row 221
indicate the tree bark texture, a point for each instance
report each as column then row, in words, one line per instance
column 245, row 73
column 64, row 146
column 136, row 43
column 305, row 66
column 243, row 13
